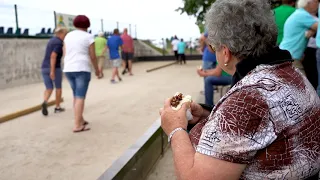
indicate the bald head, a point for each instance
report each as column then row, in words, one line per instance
column 125, row 31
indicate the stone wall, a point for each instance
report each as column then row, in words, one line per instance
column 20, row 60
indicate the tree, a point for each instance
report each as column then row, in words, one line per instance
column 199, row 8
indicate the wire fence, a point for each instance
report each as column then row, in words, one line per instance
column 16, row 20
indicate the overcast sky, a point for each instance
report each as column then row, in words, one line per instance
column 154, row 18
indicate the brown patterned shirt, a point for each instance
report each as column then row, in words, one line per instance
column 270, row 120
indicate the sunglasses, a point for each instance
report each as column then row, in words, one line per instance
column 212, row 48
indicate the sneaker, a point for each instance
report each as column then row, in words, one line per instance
column 113, row 82
column 59, row 110
column 44, row 109
column 120, row 79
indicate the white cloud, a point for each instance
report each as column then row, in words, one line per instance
column 154, row 18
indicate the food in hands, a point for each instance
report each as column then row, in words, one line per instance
column 178, row 100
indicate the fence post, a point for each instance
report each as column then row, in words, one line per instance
column 136, row 32
column 55, row 19
column 102, row 25
column 163, row 51
column 16, row 14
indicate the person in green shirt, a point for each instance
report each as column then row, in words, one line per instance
column 281, row 14
column 213, row 77
column 101, row 47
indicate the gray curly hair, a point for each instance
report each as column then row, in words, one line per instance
column 246, row 27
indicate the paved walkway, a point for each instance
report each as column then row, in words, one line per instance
column 36, row 147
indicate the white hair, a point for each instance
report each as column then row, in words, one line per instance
column 303, row 3
column 60, row 30
column 246, row 27
column 101, row 34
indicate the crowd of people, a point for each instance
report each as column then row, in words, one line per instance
column 82, row 52
column 297, row 24
column 267, row 126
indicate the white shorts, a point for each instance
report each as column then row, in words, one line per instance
column 116, row 63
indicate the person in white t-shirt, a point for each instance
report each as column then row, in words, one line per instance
column 174, row 44
column 79, row 52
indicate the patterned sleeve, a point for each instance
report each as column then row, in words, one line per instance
column 238, row 128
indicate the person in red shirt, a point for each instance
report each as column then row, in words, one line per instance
column 127, row 52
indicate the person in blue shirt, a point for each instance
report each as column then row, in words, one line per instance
column 51, row 70
column 209, row 60
column 297, row 30
column 114, row 43
column 181, row 51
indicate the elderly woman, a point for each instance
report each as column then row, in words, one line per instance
column 51, row 70
column 267, row 126
column 79, row 51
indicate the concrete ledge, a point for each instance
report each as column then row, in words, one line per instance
column 139, row 159
column 24, row 112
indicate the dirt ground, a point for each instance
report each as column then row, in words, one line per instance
column 35, row 147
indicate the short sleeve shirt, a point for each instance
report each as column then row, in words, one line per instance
column 294, row 39
column 100, row 43
column 270, row 121
column 281, row 14
column 128, row 46
column 174, row 44
column 54, row 45
column 77, row 58
column 208, row 56
column 114, row 42
column 182, row 47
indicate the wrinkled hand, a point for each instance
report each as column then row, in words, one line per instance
column 201, row 73
column 198, row 113
column 171, row 119
column 52, row 76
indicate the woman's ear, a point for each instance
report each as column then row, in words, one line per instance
column 227, row 55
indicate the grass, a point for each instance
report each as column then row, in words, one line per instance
column 155, row 47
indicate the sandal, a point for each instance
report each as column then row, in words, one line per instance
column 81, row 130
column 85, row 123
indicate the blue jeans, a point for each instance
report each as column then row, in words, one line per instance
column 79, row 82
column 48, row 82
column 211, row 81
column 318, row 67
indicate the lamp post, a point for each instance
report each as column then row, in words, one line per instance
column 163, row 51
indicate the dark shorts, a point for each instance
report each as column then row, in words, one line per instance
column 79, row 82
column 57, row 83
column 126, row 56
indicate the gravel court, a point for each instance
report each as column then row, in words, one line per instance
column 37, row 147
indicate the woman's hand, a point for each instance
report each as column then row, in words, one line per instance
column 198, row 113
column 98, row 73
column 52, row 75
column 172, row 119
column 201, row 73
